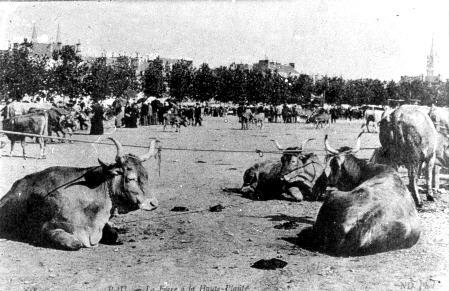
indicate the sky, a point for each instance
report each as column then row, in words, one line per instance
column 381, row 39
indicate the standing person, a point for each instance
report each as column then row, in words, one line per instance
column 127, row 116
column 133, row 116
column 144, row 114
column 198, row 114
column 118, row 112
column 150, row 114
column 96, row 122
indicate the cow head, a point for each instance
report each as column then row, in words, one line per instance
column 129, row 188
column 293, row 158
column 342, row 165
column 250, row 180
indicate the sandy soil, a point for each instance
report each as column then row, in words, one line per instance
column 201, row 250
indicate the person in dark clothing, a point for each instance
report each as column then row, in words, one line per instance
column 133, row 117
column 96, row 127
column 198, row 118
column 144, row 114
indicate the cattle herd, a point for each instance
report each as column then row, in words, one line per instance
column 367, row 208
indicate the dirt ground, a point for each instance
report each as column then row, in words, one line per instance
column 202, row 250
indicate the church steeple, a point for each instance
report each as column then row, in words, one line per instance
column 34, row 33
column 430, row 62
column 58, row 39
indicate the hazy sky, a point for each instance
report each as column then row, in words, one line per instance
column 378, row 39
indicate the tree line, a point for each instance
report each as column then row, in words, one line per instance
column 66, row 73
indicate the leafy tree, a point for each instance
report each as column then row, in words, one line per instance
column 204, row 83
column 21, row 73
column 153, row 79
column 181, row 80
column 224, row 84
column 65, row 77
column 302, row 87
column 97, row 82
column 392, row 90
column 123, row 76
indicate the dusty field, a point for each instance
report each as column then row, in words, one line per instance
column 198, row 249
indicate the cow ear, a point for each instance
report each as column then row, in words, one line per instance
column 116, row 171
column 110, row 169
column 102, row 164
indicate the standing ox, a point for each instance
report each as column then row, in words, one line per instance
column 409, row 138
column 174, row 120
column 35, row 123
column 59, row 120
column 320, row 118
column 372, row 211
column 372, row 116
column 70, row 207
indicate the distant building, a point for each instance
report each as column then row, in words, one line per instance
column 409, row 79
column 283, row 70
column 45, row 49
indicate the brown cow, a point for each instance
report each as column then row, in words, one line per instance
column 70, row 207
column 34, row 123
column 409, row 137
column 372, row 211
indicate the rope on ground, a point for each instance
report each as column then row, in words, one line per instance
column 257, row 151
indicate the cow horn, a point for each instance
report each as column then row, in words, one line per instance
column 305, row 142
column 119, row 156
column 358, row 143
column 328, row 148
column 150, row 152
column 277, row 145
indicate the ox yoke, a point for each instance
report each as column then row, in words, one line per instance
column 72, row 201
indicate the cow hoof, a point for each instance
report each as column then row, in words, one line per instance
column 75, row 245
column 430, row 198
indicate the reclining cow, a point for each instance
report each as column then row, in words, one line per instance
column 372, row 211
column 292, row 177
column 70, row 207
column 174, row 120
column 300, row 172
column 410, row 138
column 34, row 123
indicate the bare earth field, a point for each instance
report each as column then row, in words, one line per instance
column 202, row 250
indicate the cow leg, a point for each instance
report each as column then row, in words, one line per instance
column 436, row 178
column 12, row 147
column 429, row 179
column 110, row 235
column 412, row 173
column 42, row 147
column 62, row 239
column 295, row 193
column 23, row 144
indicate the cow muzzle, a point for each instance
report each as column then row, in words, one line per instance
column 248, row 189
column 149, row 204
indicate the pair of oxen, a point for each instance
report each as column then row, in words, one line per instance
column 370, row 211
column 35, row 118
